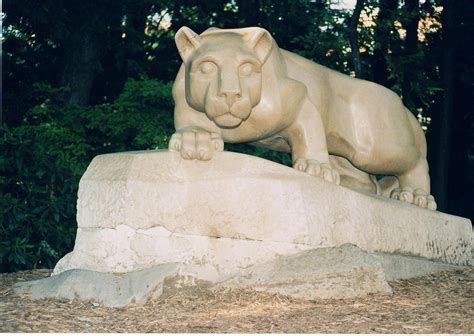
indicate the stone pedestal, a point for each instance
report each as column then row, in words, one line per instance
column 239, row 220
column 140, row 209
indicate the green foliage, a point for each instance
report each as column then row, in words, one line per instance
column 283, row 158
column 43, row 160
column 140, row 118
column 40, row 169
column 326, row 42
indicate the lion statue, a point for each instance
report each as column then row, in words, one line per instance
column 237, row 85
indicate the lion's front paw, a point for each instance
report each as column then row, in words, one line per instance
column 417, row 197
column 196, row 144
column 316, row 168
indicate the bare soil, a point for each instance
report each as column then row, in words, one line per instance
column 437, row 303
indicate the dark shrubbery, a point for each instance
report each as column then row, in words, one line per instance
column 42, row 161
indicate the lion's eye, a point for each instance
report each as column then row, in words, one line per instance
column 207, row 67
column 246, row 69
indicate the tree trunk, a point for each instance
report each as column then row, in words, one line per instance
column 1, row 85
column 412, row 12
column 86, row 37
column 384, row 24
column 440, row 183
column 81, row 61
column 354, row 38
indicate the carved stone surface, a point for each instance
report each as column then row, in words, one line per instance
column 236, row 85
column 140, row 209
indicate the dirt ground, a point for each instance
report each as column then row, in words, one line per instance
column 438, row 303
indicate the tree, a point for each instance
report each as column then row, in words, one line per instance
column 354, row 38
column 412, row 55
column 77, row 41
column 384, row 40
column 446, row 115
column 453, row 125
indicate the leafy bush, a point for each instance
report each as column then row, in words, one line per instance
column 42, row 161
column 282, row 158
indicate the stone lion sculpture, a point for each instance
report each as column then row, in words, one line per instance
column 236, row 85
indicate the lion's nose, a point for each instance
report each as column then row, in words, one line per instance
column 230, row 97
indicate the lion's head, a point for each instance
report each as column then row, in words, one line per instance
column 224, row 71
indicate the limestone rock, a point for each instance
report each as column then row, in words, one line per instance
column 397, row 266
column 144, row 217
column 343, row 272
column 111, row 290
column 287, row 103
column 335, row 272
column 140, row 209
column 323, row 273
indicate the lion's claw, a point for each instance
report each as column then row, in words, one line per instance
column 417, row 197
column 315, row 168
column 196, row 144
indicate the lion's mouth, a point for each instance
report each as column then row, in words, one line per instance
column 227, row 120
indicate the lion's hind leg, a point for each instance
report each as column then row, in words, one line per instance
column 415, row 181
column 415, row 186
column 352, row 177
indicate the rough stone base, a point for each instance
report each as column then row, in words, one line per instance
column 136, row 210
column 112, row 290
column 325, row 273
column 238, row 220
column 334, row 273
column 405, row 267
column 344, row 272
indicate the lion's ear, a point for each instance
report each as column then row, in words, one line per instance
column 261, row 42
column 187, row 42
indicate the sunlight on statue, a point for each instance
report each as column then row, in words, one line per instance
column 236, row 85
